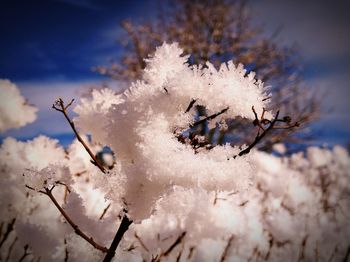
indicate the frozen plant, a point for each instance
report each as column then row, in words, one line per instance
column 177, row 197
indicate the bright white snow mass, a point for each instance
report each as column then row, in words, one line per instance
column 257, row 206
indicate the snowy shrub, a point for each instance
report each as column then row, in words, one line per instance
column 188, row 200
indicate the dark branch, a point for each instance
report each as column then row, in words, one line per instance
column 48, row 192
column 105, row 211
column 258, row 137
column 25, row 254
column 124, row 226
column 347, row 255
column 177, row 241
column 11, row 248
column 224, row 254
column 209, row 117
column 190, row 105
column 141, row 242
column 66, row 253
column 9, row 229
column 60, row 107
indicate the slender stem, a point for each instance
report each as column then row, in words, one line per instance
column 105, row 211
column 177, row 241
column 141, row 242
column 90, row 240
column 168, row 251
column 224, row 254
column 124, row 226
column 11, row 248
column 190, row 105
column 9, row 229
column 258, row 137
column 209, row 117
column 63, row 110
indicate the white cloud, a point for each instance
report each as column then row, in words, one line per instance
column 15, row 112
column 42, row 95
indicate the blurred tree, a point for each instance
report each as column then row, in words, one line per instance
column 216, row 31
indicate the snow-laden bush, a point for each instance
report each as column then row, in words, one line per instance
column 188, row 202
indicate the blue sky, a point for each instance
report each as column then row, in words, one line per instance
column 48, row 48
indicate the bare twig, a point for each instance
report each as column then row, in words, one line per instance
column 190, row 105
column 105, row 211
column 209, row 117
column 9, row 229
column 60, row 107
column 271, row 125
column 180, row 254
column 25, row 254
column 141, row 242
column 190, row 253
column 347, row 255
column 171, row 247
column 124, row 226
column 90, row 240
column 11, row 248
column 302, row 251
column 224, row 254
column 258, row 136
column 66, row 253
column 177, row 241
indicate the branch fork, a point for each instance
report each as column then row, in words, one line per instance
column 61, row 107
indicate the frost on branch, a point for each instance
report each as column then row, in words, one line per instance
column 14, row 110
column 141, row 126
column 190, row 201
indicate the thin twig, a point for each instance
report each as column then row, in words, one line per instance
column 124, row 226
column 177, row 241
column 25, row 254
column 302, row 251
column 105, row 211
column 48, row 192
column 190, row 253
column 258, row 137
column 60, row 107
column 209, row 117
column 296, row 124
column 141, row 242
column 224, row 254
column 190, row 105
column 347, row 255
column 11, row 248
column 66, row 253
column 9, row 229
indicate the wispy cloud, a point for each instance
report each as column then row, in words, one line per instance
column 42, row 95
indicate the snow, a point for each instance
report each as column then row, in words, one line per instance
column 267, row 205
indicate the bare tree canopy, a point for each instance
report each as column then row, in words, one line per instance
column 215, row 31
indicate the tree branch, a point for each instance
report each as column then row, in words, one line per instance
column 224, row 254
column 9, row 229
column 271, row 125
column 105, row 211
column 258, row 136
column 48, row 192
column 209, row 117
column 190, row 105
column 124, row 226
column 177, row 241
column 60, row 107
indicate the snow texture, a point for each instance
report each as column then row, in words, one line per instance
column 255, row 207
